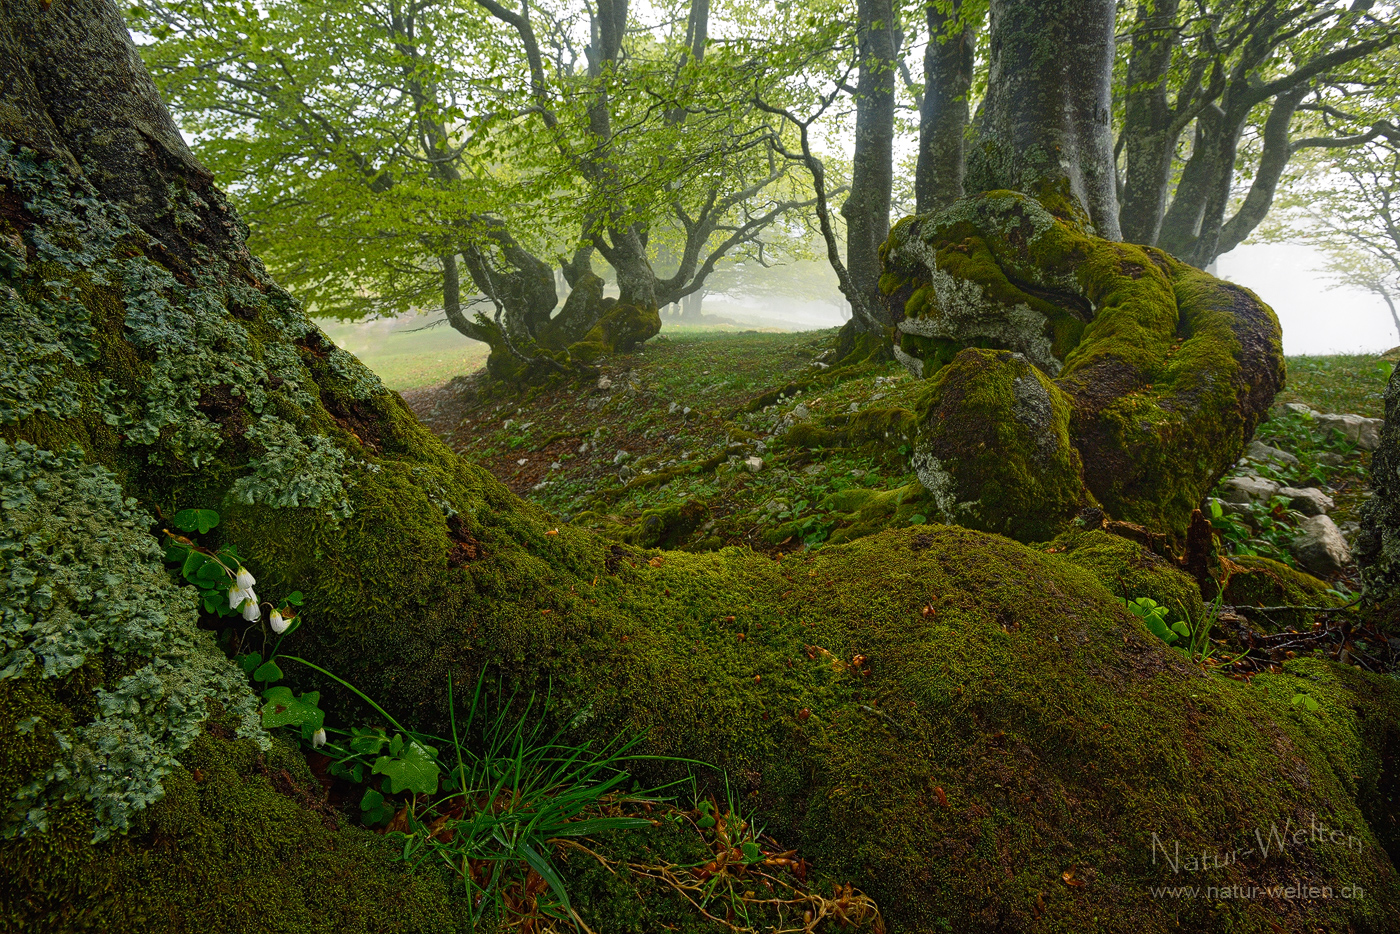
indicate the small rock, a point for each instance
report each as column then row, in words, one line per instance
column 857, row 473
column 673, row 408
column 755, row 464
column 1237, row 509
column 626, row 474
column 685, row 411
column 620, row 456
column 555, row 466
column 800, row 411
column 1331, row 459
column 509, row 422
column 878, row 395
column 539, row 486
column 523, row 461
column 853, row 407
column 1363, row 432
column 1307, row 500
column 821, row 366
column 604, row 383
column 812, row 470
column 583, row 448
column 1248, row 489
column 1321, row 549
column 1298, row 408
column 1260, row 451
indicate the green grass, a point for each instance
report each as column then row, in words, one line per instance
column 1341, row 384
column 404, row 354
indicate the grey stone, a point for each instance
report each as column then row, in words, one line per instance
column 1331, row 459
column 620, row 456
column 754, row 464
column 1308, row 500
column 626, row 474
column 1248, row 489
column 800, row 411
column 673, row 408
column 812, row 470
column 1363, row 432
column 1298, row 408
column 1321, row 548
column 1260, row 451
column 604, row 383
column 853, row 407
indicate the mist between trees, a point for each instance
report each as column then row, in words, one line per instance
column 534, row 171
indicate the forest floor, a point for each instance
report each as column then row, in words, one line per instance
column 695, row 422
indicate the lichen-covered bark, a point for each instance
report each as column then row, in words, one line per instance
column 1378, row 550
column 948, row 719
column 1157, row 373
column 1044, row 127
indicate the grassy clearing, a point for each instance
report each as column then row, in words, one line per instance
column 624, row 455
column 405, row 353
column 1341, row 384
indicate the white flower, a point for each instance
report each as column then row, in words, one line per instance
column 236, row 597
column 318, row 739
column 278, row 622
column 244, row 580
column 252, row 610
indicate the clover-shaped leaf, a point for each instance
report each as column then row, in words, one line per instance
column 284, row 709
column 196, row 520
column 416, row 770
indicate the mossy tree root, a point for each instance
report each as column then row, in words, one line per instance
column 1067, row 370
column 952, row 721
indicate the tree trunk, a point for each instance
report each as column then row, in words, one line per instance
column 155, row 373
column 1148, row 141
column 1044, row 126
column 867, row 209
column 943, row 113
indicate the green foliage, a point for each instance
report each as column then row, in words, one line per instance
column 1154, row 616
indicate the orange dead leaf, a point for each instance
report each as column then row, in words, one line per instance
column 942, row 798
column 552, row 532
column 1070, row 880
column 655, row 562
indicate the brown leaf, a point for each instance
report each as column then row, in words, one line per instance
column 942, row 798
column 656, row 562
column 1070, row 880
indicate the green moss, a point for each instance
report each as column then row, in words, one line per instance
column 1256, row 581
column 234, row 846
column 1006, row 682
column 1128, row 570
column 994, row 449
column 1165, row 370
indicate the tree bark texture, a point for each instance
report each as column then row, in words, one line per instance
column 943, row 112
column 1044, row 126
column 867, row 208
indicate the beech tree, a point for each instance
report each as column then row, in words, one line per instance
column 942, row 718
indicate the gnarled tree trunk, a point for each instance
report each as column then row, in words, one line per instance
column 1044, row 126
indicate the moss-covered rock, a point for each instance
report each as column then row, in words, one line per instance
column 1163, row 370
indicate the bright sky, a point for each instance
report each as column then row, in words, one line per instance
column 1315, row 319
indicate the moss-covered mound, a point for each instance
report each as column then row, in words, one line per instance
column 1150, row 375
column 972, row 731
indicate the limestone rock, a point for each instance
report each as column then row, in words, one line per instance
column 1308, row 500
column 1321, row 548
column 1260, row 451
column 755, row 464
column 1363, row 432
column 1248, row 489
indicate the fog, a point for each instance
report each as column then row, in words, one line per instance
column 1316, row 319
